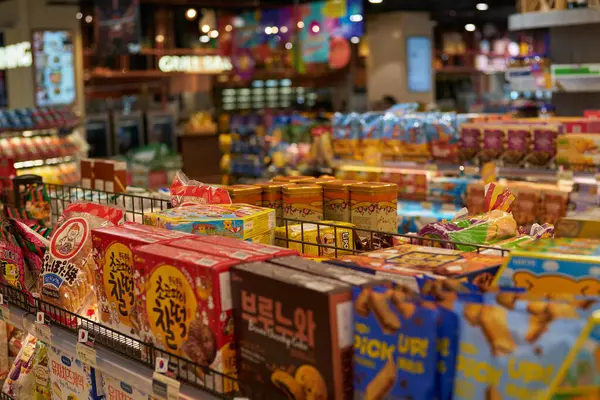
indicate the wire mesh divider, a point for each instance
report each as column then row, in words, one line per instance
column 365, row 240
column 200, row 376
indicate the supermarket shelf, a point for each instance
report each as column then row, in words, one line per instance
column 552, row 19
column 530, row 174
column 42, row 162
column 107, row 361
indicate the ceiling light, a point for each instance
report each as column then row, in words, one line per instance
column 275, row 30
column 204, row 39
column 470, row 28
column 356, row 17
column 214, row 34
column 316, row 28
column 89, row 19
column 289, row 45
column 79, row 15
column 268, row 30
column 355, row 39
column 375, row 1
column 283, row 29
column 300, row 24
column 205, row 28
column 482, row 6
column 191, row 13
column 228, row 28
column 159, row 38
column 238, row 22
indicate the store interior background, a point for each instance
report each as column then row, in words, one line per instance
column 189, row 68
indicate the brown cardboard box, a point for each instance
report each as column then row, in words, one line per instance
column 87, row 173
column 292, row 327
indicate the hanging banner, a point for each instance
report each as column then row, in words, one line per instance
column 349, row 25
column 247, row 35
column 243, row 63
column 118, row 28
column 314, row 35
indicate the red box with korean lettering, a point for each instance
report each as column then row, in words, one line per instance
column 273, row 251
column 293, row 332
column 220, row 251
column 183, row 302
column 113, row 257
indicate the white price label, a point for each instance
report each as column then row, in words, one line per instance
column 161, row 365
column 164, row 387
column 43, row 332
column 86, row 354
column 471, row 170
column 83, row 336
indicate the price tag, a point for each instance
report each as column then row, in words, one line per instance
column 470, row 170
column 165, row 387
column 86, row 354
column 41, row 330
column 564, row 175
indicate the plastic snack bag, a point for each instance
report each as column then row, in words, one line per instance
column 394, row 344
column 67, row 277
column 185, row 191
column 38, row 204
column 21, row 382
column 488, row 228
column 517, row 349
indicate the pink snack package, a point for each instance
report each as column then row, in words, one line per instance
column 185, row 192
column 154, row 230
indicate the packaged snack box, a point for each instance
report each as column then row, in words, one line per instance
column 294, row 332
column 264, row 238
column 340, row 236
column 415, row 261
column 113, row 255
column 517, row 349
column 585, row 225
column 115, row 389
column 234, row 220
column 328, row 271
column 156, row 231
column 70, row 378
column 273, row 251
column 184, row 306
column 212, row 249
column 579, row 150
column 394, row 345
column 554, row 265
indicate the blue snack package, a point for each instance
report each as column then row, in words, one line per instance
column 394, row 344
column 516, row 349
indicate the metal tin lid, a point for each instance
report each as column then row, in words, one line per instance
column 373, row 187
column 339, row 184
column 240, row 190
column 300, row 189
column 271, row 186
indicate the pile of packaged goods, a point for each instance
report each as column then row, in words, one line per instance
column 23, row 149
column 27, row 119
column 403, row 321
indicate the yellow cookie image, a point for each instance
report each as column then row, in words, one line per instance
column 288, row 385
column 312, row 382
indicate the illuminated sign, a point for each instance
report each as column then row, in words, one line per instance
column 195, row 64
column 16, row 56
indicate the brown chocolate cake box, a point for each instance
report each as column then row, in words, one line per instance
column 293, row 332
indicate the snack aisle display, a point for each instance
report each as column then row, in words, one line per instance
column 195, row 303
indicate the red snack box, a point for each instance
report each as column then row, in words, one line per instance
column 221, row 251
column 113, row 257
column 183, row 302
column 272, row 251
column 157, row 231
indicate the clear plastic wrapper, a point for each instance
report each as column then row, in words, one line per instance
column 67, row 276
column 185, row 191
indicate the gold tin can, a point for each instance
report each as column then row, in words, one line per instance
column 336, row 200
column 272, row 197
column 374, row 206
column 247, row 194
column 303, row 202
column 320, row 181
column 293, row 179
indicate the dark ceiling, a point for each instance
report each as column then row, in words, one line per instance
column 443, row 11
